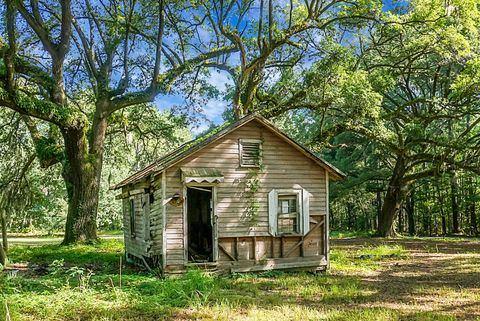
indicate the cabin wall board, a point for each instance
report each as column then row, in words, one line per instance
column 156, row 225
column 284, row 167
column 135, row 245
column 175, row 226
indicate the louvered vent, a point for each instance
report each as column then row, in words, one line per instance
column 251, row 153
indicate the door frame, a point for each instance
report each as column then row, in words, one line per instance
column 213, row 218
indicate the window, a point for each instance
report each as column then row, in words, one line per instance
column 288, row 214
column 250, row 152
column 132, row 217
column 288, row 211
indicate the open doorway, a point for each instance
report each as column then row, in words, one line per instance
column 200, row 224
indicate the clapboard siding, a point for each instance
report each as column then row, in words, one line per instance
column 156, row 223
column 284, row 167
column 174, row 221
column 136, row 245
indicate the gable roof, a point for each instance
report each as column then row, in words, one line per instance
column 199, row 143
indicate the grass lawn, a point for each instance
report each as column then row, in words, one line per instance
column 369, row 279
column 34, row 240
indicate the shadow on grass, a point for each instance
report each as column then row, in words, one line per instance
column 390, row 293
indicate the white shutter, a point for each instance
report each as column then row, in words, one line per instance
column 305, row 211
column 272, row 212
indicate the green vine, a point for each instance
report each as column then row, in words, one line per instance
column 252, row 185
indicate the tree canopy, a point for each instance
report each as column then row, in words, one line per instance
column 386, row 91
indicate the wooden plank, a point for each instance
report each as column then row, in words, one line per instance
column 185, row 223
column 290, row 170
column 276, row 264
column 296, row 246
column 302, row 251
column 327, row 223
column 146, row 212
column 135, row 192
column 236, row 248
column 224, row 251
column 121, row 196
column 214, row 220
column 164, row 221
column 272, row 244
column 281, row 247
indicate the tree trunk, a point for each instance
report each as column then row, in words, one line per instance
column 392, row 201
column 379, row 209
column 410, row 209
column 3, row 223
column 4, row 244
column 400, row 220
column 473, row 219
column 455, row 210
column 442, row 211
column 472, row 209
column 3, row 256
column 81, row 173
column 427, row 213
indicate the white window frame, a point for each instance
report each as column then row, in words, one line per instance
column 297, row 214
column 241, row 141
column 303, row 204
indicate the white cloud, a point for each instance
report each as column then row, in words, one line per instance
column 214, row 109
column 196, row 130
column 220, row 79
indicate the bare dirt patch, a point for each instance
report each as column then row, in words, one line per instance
column 437, row 276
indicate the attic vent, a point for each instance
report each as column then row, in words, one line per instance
column 250, row 152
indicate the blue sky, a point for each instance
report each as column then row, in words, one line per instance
column 212, row 111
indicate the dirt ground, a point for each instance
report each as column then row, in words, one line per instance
column 436, row 275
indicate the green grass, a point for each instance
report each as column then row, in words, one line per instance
column 282, row 296
column 103, row 253
column 32, row 239
column 350, row 234
column 366, row 257
column 82, row 282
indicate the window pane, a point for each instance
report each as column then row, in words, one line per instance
column 293, row 206
column 287, row 219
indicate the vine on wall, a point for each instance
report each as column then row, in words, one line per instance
column 252, row 185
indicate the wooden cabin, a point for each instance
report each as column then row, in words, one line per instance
column 244, row 198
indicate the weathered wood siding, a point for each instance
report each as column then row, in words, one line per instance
column 156, row 224
column 136, row 245
column 284, row 167
column 174, row 223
